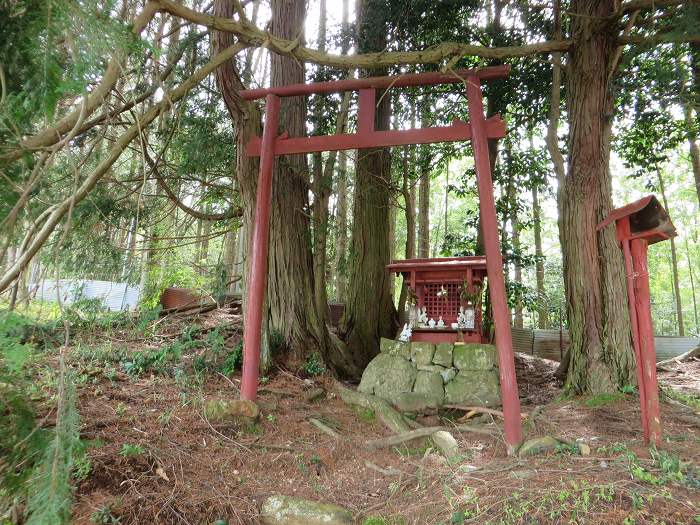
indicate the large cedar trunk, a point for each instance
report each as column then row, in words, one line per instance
column 370, row 312
column 594, row 276
column 290, row 289
column 290, row 301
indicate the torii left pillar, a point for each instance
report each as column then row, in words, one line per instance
column 257, row 277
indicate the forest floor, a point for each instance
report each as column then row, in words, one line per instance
column 156, row 459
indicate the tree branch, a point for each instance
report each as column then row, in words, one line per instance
column 112, row 156
column 91, row 102
column 256, row 37
column 230, row 214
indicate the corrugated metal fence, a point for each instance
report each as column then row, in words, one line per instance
column 115, row 296
column 551, row 344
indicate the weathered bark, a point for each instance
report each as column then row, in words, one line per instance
column 693, row 106
column 515, row 242
column 674, row 263
column 321, row 188
column 409, row 197
column 370, row 313
column 692, row 285
column 424, row 192
column 341, row 217
column 291, row 307
column 424, row 211
column 341, row 221
column 594, row 276
column 542, row 309
column 693, row 147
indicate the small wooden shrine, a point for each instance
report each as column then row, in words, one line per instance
column 445, row 298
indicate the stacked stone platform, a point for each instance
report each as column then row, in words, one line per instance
column 417, row 376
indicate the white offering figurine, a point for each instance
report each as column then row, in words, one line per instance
column 405, row 334
column 465, row 319
column 431, row 323
column 441, row 323
column 423, row 316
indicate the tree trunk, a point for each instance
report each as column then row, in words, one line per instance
column 692, row 286
column 674, row 263
column 594, row 276
column 424, row 211
column 693, row 147
column 370, row 312
column 424, row 190
column 321, row 189
column 515, row 241
column 542, row 310
column 292, row 310
column 341, row 218
column 693, row 106
column 409, row 197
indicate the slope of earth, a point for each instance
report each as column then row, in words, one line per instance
column 157, row 459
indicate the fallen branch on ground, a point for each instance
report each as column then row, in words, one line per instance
column 473, row 410
column 391, row 441
column 324, row 428
column 695, row 352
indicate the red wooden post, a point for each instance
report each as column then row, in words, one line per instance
column 635, row 332
column 494, row 267
column 257, row 278
column 646, row 338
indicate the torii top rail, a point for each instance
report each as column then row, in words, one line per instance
column 478, row 130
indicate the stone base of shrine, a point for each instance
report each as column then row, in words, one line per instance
column 444, row 335
column 423, row 375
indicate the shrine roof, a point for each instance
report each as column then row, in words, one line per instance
column 648, row 219
column 439, row 263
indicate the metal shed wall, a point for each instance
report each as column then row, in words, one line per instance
column 115, row 296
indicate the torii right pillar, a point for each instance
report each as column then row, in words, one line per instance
column 494, row 267
column 638, row 225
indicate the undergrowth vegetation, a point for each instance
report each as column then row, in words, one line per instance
column 38, row 464
column 42, row 461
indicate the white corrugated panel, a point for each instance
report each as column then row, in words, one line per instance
column 115, row 296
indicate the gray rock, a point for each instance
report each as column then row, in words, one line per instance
column 386, row 376
column 429, row 383
column 474, row 356
column 447, row 444
column 422, row 353
column 448, row 374
column 417, row 402
column 443, row 354
column 397, row 348
column 231, row 411
column 290, row 510
column 538, row 446
column 474, row 387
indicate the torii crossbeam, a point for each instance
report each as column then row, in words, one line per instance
column 479, row 129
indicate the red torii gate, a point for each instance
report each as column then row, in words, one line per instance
column 479, row 129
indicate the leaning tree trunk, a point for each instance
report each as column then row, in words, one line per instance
column 594, row 275
column 370, row 311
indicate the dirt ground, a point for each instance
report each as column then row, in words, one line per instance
column 189, row 471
